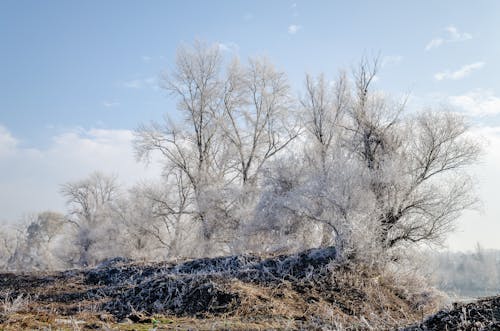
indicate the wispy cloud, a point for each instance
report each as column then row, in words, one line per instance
column 455, row 35
column 460, row 73
column 293, row 29
column 229, row 47
column 478, row 102
column 7, row 141
column 141, row 83
column 110, row 104
column 30, row 177
column 434, row 43
column 452, row 35
column 146, row 58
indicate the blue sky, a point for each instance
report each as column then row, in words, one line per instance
column 86, row 72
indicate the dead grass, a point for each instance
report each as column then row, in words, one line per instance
column 332, row 297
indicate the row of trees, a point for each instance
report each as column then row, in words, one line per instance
column 467, row 275
column 248, row 166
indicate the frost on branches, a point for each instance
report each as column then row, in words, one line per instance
column 248, row 166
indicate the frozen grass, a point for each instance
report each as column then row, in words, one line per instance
column 306, row 291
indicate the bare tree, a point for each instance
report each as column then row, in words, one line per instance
column 415, row 164
column 432, row 187
column 157, row 219
column 191, row 148
column 91, row 202
column 8, row 245
column 324, row 105
column 35, row 244
column 258, row 121
column 234, row 123
column 381, row 178
column 375, row 177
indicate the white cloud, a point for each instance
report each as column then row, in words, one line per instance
column 455, row 35
column 452, row 35
column 478, row 102
column 434, row 43
column 7, row 141
column 146, row 58
column 460, row 73
column 293, row 29
column 229, row 47
column 141, row 83
column 30, row 178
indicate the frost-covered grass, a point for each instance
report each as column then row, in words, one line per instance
column 309, row 290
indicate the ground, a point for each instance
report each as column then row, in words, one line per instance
column 246, row 292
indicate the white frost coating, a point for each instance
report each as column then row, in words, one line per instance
column 251, row 168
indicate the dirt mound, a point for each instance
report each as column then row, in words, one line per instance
column 483, row 314
column 201, row 286
column 301, row 291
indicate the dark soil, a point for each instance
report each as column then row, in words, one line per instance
column 483, row 314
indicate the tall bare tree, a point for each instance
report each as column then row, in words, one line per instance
column 258, row 118
column 324, row 105
column 235, row 121
column 415, row 164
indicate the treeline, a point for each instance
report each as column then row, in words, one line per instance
column 249, row 166
column 467, row 274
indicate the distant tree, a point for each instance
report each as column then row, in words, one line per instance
column 7, row 245
column 466, row 274
column 36, row 243
column 325, row 106
column 155, row 229
column 91, row 203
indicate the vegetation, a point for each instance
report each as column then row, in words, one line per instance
column 466, row 275
column 252, row 171
column 247, row 292
column 248, row 167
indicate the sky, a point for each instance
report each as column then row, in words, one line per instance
column 77, row 77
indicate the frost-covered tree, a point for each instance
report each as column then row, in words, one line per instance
column 156, row 221
column 236, row 118
column 191, row 148
column 373, row 177
column 37, row 243
column 258, row 120
column 247, row 166
column 415, row 165
column 7, row 245
column 355, row 169
column 92, row 214
column 324, row 108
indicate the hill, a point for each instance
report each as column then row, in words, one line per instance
column 301, row 291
